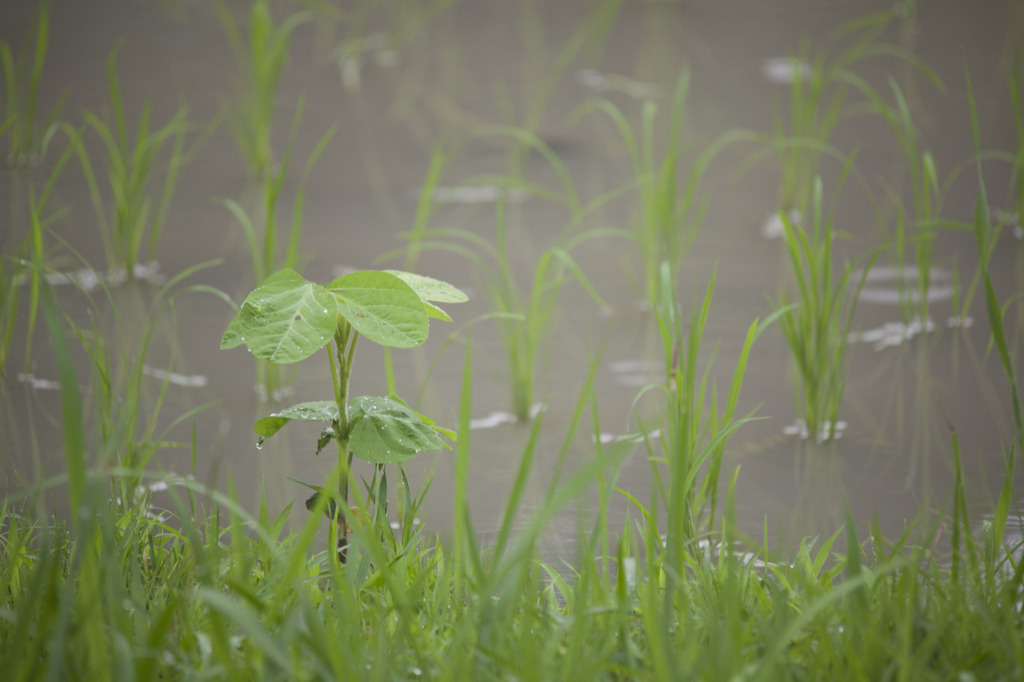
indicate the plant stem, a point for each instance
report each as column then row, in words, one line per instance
column 341, row 369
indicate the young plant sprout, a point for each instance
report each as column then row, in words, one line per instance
column 287, row 319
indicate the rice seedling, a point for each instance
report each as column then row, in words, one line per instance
column 984, row 240
column 264, row 249
column 692, row 442
column 914, row 224
column 124, row 414
column 286, row 319
column 670, row 216
column 522, row 319
column 261, row 61
column 819, row 88
column 129, row 213
column 16, row 272
column 27, row 138
column 817, row 328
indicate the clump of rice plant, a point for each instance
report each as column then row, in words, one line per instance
column 914, row 222
column 131, row 214
column 522, row 316
column 20, row 269
column 264, row 250
column 985, row 240
column 261, row 58
column 669, row 215
column 817, row 327
column 818, row 100
column 124, row 412
column 27, row 138
column 688, row 450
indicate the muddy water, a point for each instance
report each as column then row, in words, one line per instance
column 426, row 78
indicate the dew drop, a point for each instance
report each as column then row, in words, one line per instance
column 259, row 443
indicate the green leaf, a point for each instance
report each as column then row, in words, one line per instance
column 285, row 319
column 430, row 289
column 330, row 511
column 435, row 312
column 385, row 431
column 233, row 334
column 382, row 308
column 315, row 411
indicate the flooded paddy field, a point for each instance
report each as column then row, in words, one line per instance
column 473, row 141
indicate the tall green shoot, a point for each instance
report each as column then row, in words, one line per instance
column 28, row 138
column 983, row 237
column 817, row 327
column 819, row 88
column 261, row 59
column 923, row 210
column 23, row 267
column 130, row 214
column 669, row 215
column 692, row 442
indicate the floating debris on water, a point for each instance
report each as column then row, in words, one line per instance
column 38, row 383
column 88, row 279
column 349, row 57
column 774, row 228
column 892, row 333
column 498, row 418
column 492, row 420
column 187, row 380
column 799, row 428
column 785, row 70
column 940, row 285
column 607, row 438
column 476, row 194
column 601, row 83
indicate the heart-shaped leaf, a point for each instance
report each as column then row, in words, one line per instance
column 315, row 411
column 285, row 319
column 385, row 431
column 382, row 308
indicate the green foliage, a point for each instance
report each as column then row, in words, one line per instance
column 817, row 328
column 287, row 318
column 22, row 268
column 28, row 138
column 261, row 61
column 669, row 216
column 264, row 248
column 819, row 89
column 127, row 214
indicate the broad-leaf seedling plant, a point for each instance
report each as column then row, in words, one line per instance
column 287, row 319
